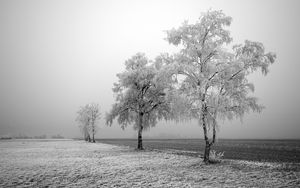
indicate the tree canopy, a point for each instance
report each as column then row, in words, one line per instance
column 140, row 95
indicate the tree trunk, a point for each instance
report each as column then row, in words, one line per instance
column 93, row 137
column 140, row 131
column 207, row 144
column 206, row 152
column 86, row 136
column 93, row 132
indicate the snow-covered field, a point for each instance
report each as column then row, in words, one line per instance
column 70, row 163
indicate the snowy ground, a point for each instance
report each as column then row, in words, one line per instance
column 69, row 163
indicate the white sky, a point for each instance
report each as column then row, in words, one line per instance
column 57, row 55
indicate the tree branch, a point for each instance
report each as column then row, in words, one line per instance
column 213, row 75
column 235, row 74
column 209, row 56
column 188, row 75
column 153, row 107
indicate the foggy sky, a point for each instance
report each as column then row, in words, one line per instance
column 58, row 55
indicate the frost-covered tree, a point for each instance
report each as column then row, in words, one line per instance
column 88, row 116
column 84, row 122
column 140, row 96
column 213, row 82
column 93, row 111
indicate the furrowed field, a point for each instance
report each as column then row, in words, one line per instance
column 75, row 163
column 242, row 149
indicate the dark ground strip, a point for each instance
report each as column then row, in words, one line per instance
column 253, row 150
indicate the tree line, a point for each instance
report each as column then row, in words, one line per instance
column 206, row 80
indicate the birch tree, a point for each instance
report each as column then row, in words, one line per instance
column 88, row 117
column 140, row 96
column 93, row 112
column 214, row 84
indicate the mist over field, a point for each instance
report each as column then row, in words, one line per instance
column 56, row 56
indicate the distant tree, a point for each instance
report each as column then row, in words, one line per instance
column 6, row 137
column 140, row 96
column 87, row 117
column 214, row 82
column 58, row 136
column 40, row 137
column 22, row 136
column 84, row 122
column 93, row 111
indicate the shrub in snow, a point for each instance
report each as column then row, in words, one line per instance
column 215, row 157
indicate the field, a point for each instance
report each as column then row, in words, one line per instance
column 75, row 163
column 253, row 150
